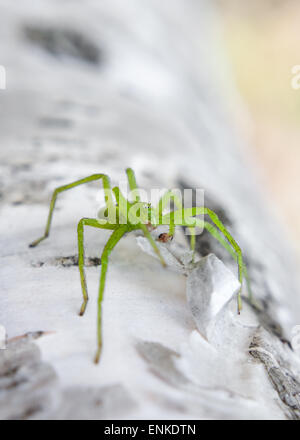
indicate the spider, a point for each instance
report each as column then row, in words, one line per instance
column 122, row 216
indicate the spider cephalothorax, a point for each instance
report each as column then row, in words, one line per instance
column 122, row 216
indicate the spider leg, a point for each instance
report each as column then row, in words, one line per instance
column 152, row 242
column 111, row 243
column 163, row 202
column 173, row 217
column 215, row 233
column 123, row 205
column 215, row 219
column 108, row 199
column 131, row 213
column 133, row 187
column 80, row 231
column 132, row 184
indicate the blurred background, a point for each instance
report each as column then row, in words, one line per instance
column 262, row 43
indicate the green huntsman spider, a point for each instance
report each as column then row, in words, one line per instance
column 126, row 216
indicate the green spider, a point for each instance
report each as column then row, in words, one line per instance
column 126, row 216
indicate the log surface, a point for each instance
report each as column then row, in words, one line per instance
column 96, row 87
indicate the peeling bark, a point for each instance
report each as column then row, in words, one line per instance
column 283, row 368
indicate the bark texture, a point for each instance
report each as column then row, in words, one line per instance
column 96, row 87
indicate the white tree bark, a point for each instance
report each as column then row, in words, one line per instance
column 96, row 87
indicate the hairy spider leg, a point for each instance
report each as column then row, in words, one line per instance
column 174, row 218
column 111, row 243
column 108, row 199
column 163, row 202
column 80, row 231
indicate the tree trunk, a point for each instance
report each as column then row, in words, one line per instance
column 95, row 88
